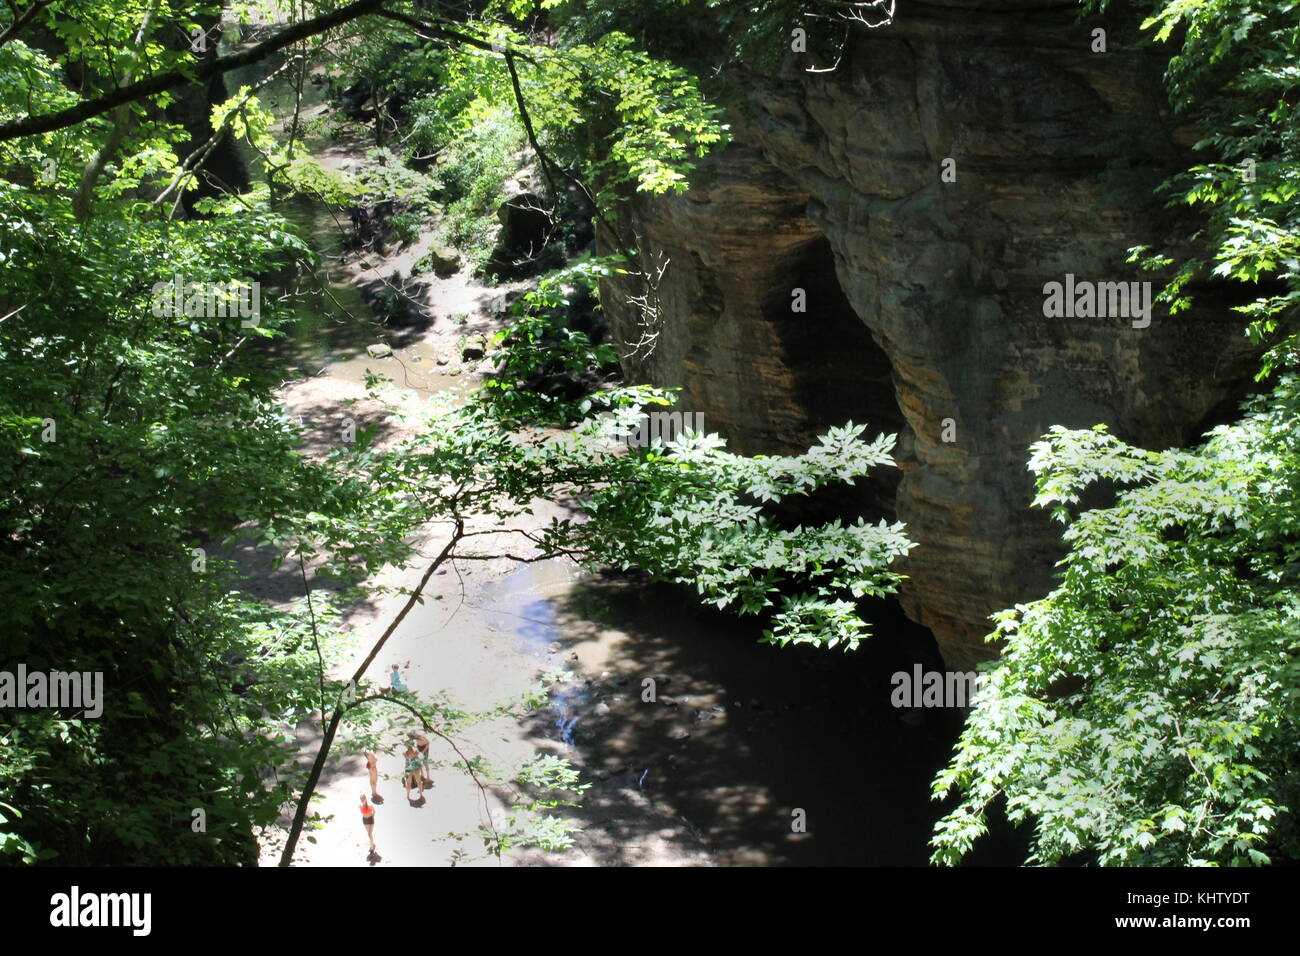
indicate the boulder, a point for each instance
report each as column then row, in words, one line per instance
column 442, row 261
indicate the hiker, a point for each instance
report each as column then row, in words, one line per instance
column 421, row 743
column 372, row 765
column 395, row 679
column 368, row 821
column 414, row 771
column 361, row 227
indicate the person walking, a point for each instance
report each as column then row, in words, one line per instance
column 368, row 821
column 421, row 743
column 414, row 772
column 372, row 766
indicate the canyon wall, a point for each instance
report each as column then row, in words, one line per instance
column 925, row 296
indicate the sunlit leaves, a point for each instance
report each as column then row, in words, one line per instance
column 1178, row 610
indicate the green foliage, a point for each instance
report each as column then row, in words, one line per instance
column 406, row 226
column 547, row 783
column 1178, row 609
column 472, row 173
column 1234, row 69
column 539, row 340
column 692, row 513
column 386, row 176
column 603, row 107
column 126, row 440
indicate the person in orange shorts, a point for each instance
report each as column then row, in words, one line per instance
column 368, row 821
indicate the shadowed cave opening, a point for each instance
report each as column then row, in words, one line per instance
column 840, row 374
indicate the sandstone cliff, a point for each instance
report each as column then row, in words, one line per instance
column 925, row 297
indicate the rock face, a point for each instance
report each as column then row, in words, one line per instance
column 925, row 297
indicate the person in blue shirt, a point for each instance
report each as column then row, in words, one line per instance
column 395, row 679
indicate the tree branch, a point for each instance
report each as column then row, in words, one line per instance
column 444, row 33
column 196, row 158
column 47, row 122
column 21, row 20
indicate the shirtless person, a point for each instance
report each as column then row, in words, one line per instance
column 372, row 765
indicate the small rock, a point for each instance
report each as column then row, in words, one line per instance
column 682, row 736
column 601, row 709
column 379, row 350
column 443, row 360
